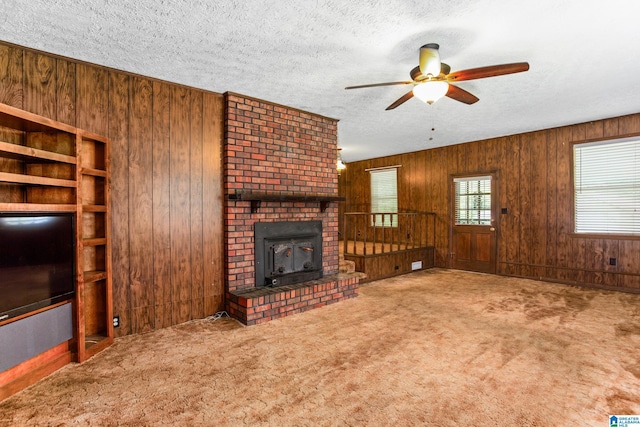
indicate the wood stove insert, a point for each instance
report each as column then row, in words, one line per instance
column 288, row 252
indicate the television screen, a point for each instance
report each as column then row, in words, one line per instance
column 37, row 261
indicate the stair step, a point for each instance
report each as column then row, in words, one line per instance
column 347, row 266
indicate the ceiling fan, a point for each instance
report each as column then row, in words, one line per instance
column 433, row 79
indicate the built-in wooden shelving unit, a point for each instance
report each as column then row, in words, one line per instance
column 47, row 166
column 96, row 313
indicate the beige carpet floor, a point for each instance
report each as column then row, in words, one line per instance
column 433, row 348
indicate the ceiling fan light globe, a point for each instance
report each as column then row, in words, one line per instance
column 431, row 91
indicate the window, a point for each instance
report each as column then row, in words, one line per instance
column 384, row 196
column 607, row 187
column 473, row 200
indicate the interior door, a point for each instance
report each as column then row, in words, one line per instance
column 473, row 234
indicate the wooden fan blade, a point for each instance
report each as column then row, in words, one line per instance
column 404, row 98
column 461, row 95
column 490, row 71
column 379, row 84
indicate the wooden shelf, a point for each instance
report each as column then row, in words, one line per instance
column 101, row 241
column 86, row 135
column 94, row 344
column 94, row 339
column 37, row 207
column 21, row 152
column 94, row 276
column 17, row 178
column 25, row 121
column 94, row 208
column 256, row 198
column 94, row 172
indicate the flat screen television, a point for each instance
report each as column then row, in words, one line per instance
column 37, row 261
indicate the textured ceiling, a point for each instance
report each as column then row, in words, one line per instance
column 584, row 57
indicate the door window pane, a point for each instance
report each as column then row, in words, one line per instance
column 473, row 200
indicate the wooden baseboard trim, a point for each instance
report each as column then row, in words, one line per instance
column 33, row 370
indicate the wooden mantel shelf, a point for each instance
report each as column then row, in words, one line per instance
column 256, row 198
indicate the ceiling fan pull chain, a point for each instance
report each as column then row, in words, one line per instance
column 433, row 129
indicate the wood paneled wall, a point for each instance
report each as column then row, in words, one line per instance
column 535, row 237
column 166, row 178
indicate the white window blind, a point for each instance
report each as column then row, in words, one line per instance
column 473, row 200
column 384, row 196
column 607, row 187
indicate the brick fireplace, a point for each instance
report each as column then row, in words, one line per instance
column 279, row 165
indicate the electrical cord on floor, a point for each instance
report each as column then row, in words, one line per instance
column 218, row 315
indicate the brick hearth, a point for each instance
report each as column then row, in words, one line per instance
column 290, row 155
column 259, row 305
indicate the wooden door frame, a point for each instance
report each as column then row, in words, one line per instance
column 495, row 181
